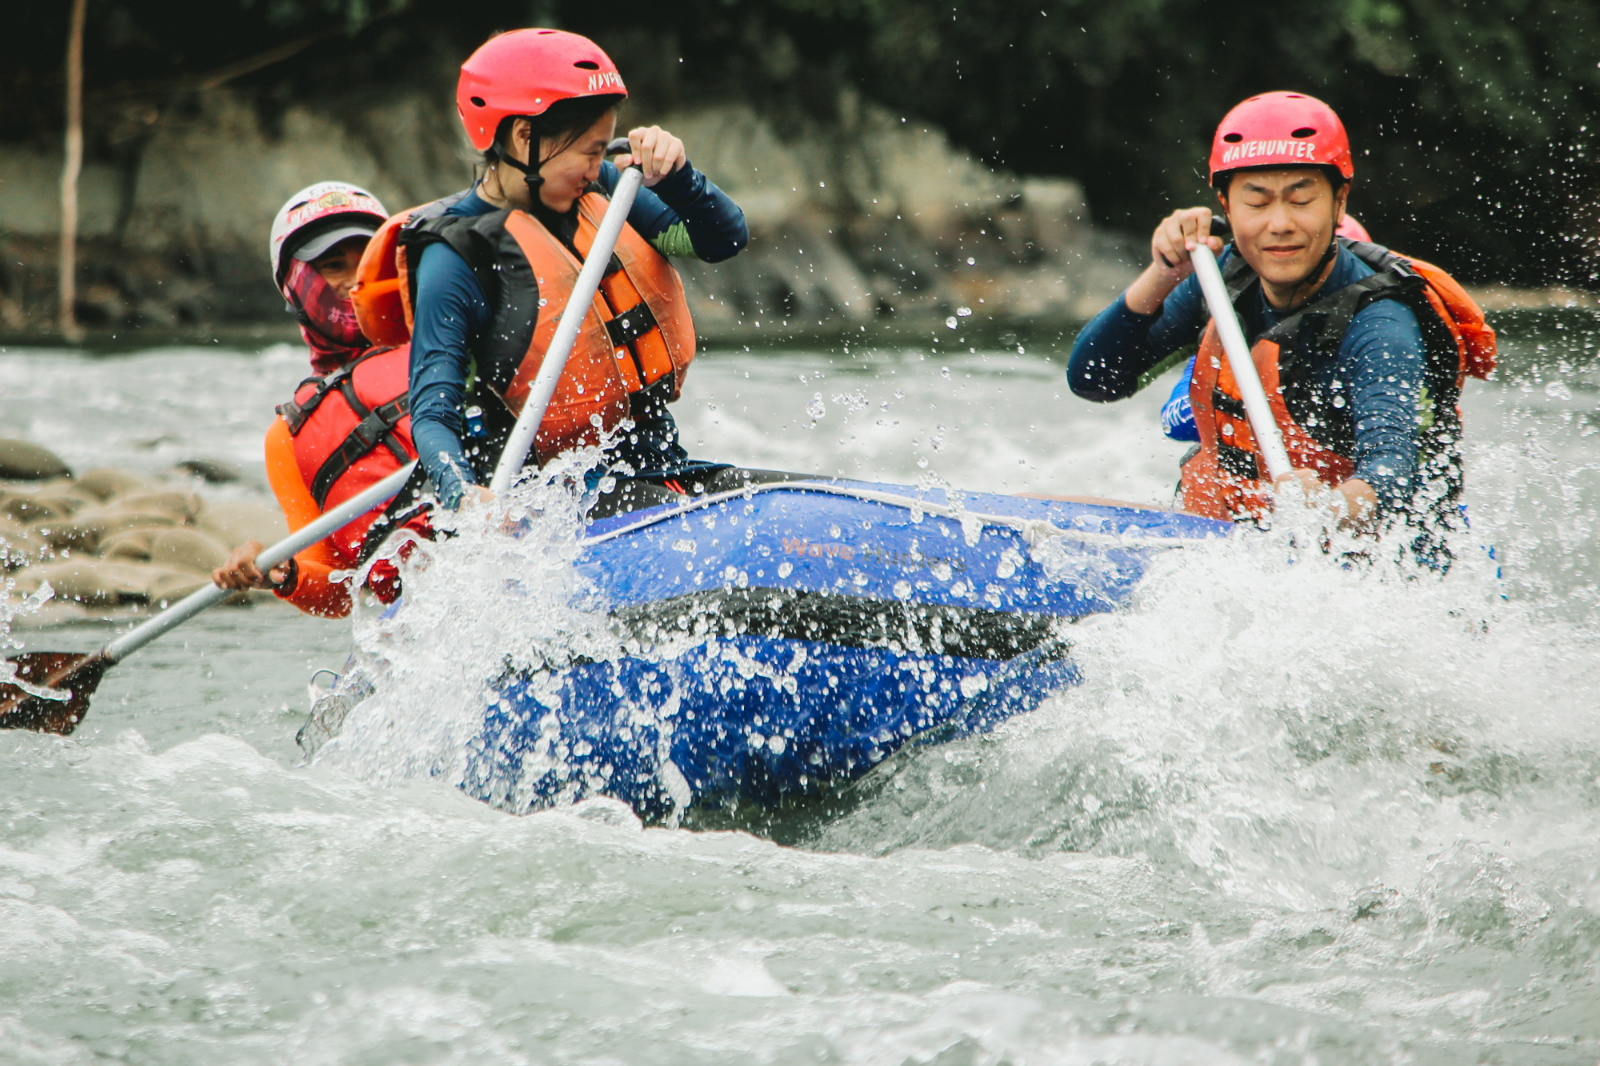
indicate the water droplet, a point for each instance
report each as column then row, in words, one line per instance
column 950, row 322
column 963, row 312
column 1557, row 390
column 1338, row 401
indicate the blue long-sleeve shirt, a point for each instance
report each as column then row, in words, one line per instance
column 1378, row 368
column 682, row 215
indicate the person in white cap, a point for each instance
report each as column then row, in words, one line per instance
column 346, row 428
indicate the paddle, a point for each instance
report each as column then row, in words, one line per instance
column 55, row 687
column 1256, row 407
column 578, row 306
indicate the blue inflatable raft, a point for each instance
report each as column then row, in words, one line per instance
column 785, row 636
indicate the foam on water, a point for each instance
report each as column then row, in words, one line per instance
column 1296, row 812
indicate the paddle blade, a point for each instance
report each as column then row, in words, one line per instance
column 74, row 676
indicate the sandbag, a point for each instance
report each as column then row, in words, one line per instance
column 235, row 521
column 185, row 506
column 101, row 583
column 85, row 531
column 22, row 461
column 214, row 471
column 130, row 545
column 106, row 482
column 179, row 548
column 28, row 507
column 19, row 545
column 57, row 499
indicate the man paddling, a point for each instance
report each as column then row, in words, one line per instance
column 346, row 428
column 1362, row 352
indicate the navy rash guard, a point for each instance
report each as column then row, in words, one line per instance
column 683, row 214
column 1379, row 365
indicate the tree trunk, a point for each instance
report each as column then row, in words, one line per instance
column 69, row 174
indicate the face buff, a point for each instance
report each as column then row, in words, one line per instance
column 327, row 322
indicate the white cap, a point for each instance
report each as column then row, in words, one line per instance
column 351, row 211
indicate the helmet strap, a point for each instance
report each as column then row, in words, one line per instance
column 530, row 175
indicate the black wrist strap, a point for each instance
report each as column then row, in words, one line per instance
column 290, row 579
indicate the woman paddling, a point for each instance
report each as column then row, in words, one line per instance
column 346, row 428
column 488, row 271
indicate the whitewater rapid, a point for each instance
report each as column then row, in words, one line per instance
column 1295, row 813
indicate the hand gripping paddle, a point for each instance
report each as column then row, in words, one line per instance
column 1256, row 407
column 52, row 688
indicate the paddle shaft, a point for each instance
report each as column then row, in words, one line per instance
column 555, row 357
column 298, row 541
column 1268, row 439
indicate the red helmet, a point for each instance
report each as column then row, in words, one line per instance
column 525, row 71
column 1353, row 229
column 1281, row 130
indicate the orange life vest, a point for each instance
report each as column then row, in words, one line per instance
column 351, row 429
column 632, row 352
column 1225, row 477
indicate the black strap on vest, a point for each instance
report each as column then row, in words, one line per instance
column 376, row 426
column 296, row 413
column 631, row 324
column 466, row 236
column 1312, row 335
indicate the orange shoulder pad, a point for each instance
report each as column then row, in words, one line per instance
column 381, row 296
column 1475, row 341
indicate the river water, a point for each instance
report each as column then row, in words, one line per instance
column 1294, row 814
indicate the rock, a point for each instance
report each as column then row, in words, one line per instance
column 85, row 531
column 106, row 482
column 102, row 583
column 212, row 470
column 180, row 548
column 235, row 521
column 22, row 461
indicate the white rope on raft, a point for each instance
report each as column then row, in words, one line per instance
column 1033, row 530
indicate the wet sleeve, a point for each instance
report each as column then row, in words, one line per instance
column 451, row 313
column 1177, row 416
column 1115, row 353
column 1381, row 361
column 312, row 591
column 685, row 215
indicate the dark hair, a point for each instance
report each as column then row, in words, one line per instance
column 562, row 122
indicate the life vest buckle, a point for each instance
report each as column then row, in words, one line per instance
column 631, row 324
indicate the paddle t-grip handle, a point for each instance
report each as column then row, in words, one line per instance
column 520, row 442
column 1256, row 407
column 298, row 541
